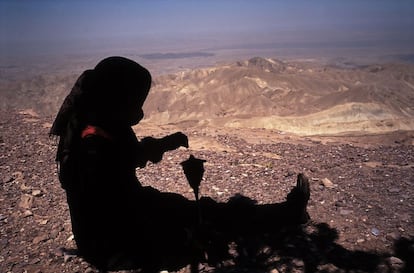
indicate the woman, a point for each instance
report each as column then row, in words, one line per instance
column 98, row 153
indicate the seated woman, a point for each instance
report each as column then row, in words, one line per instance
column 117, row 223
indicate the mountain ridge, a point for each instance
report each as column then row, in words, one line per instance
column 304, row 98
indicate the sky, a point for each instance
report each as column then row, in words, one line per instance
column 41, row 26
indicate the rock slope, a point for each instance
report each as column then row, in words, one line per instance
column 361, row 196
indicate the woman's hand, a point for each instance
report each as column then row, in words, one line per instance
column 155, row 148
column 175, row 141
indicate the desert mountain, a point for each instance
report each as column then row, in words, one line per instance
column 304, row 98
column 300, row 97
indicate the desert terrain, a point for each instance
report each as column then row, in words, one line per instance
column 258, row 122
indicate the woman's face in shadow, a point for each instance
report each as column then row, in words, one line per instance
column 128, row 111
column 134, row 116
column 121, row 89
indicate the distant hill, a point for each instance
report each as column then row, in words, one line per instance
column 300, row 97
column 304, row 98
column 43, row 93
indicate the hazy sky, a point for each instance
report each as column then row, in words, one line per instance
column 154, row 25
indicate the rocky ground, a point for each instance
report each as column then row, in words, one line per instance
column 362, row 196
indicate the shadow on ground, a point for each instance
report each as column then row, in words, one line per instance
column 243, row 236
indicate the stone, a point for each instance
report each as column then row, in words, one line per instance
column 89, row 270
column 26, row 201
column 328, row 268
column 375, row 232
column 298, row 263
column 54, row 233
column 313, row 169
column 394, row 190
column 396, row 263
column 18, row 176
column 40, row 238
column 68, row 257
column 8, row 179
column 36, row 193
column 27, row 213
column 327, row 183
column 35, row 261
column 393, row 236
column 345, row 211
column 25, row 188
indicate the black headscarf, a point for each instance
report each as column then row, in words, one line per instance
column 112, row 81
column 96, row 94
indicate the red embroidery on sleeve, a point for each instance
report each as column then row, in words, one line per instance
column 95, row 131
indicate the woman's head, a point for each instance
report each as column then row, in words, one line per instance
column 117, row 90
